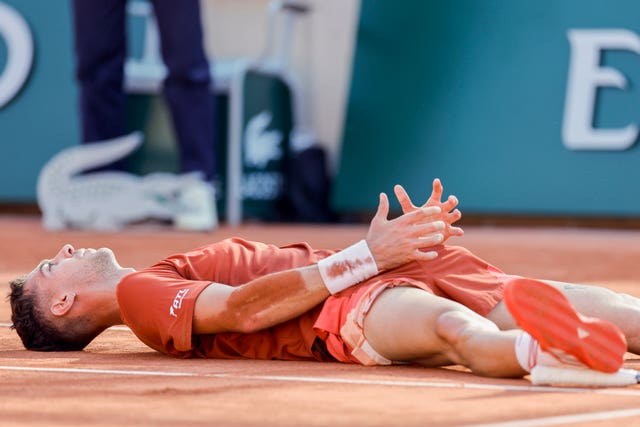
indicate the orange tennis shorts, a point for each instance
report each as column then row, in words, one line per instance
column 456, row 274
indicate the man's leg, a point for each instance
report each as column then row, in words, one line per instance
column 187, row 87
column 593, row 301
column 411, row 325
column 100, row 46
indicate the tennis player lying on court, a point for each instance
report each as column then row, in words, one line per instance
column 399, row 296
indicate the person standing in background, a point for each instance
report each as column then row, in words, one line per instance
column 101, row 50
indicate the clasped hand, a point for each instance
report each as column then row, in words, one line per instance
column 413, row 235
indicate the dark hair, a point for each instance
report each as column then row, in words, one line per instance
column 35, row 331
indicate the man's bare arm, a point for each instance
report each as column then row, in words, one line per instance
column 278, row 297
column 259, row 304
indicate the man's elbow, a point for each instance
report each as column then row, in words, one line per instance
column 247, row 323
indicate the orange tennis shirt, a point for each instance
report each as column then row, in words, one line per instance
column 158, row 303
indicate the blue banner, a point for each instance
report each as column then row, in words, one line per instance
column 521, row 107
column 38, row 114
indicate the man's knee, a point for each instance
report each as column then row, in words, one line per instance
column 457, row 326
column 474, row 342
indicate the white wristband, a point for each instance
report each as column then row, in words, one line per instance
column 347, row 267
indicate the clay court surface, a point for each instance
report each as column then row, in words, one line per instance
column 117, row 381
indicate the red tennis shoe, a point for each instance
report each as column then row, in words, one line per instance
column 549, row 317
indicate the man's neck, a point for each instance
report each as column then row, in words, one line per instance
column 113, row 316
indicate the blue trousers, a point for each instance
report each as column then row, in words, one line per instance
column 101, row 49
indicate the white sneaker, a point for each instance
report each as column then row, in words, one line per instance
column 557, row 368
column 582, row 377
column 196, row 208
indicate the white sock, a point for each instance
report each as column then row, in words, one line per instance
column 527, row 351
column 529, row 354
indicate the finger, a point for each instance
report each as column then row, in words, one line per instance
column 431, row 240
column 383, row 209
column 451, row 203
column 436, row 192
column 455, row 231
column 429, row 227
column 425, row 255
column 452, row 217
column 437, row 184
column 420, row 216
column 430, row 210
column 403, row 198
column 423, row 215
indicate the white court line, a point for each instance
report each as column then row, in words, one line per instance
column 330, row 380
column 100, row 371
column 115, row 328
column 546, row 421
column 419, row 384
column 565, row 419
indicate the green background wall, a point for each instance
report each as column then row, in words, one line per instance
column 42, row 118
column 472, row 91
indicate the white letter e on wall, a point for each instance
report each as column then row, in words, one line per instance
column 585, row 77
column 17, row 37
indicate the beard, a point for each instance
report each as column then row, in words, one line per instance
column 100, row 264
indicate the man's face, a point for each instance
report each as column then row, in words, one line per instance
column 73, row 269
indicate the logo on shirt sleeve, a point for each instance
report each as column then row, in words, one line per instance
column 177, row 302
